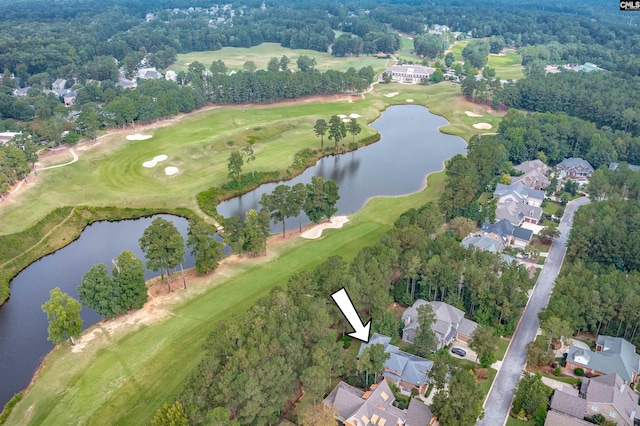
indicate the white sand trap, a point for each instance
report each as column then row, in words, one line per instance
column 334, row 223
column 354, row 115
column 152, row 163
column 472, row 114
column 482, row 126
column 391, row 95
column 342, row 116
column 346, row 120
column 409, row 100
column 138, row 137
column 171, row 170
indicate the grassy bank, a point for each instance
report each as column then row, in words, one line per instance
column 125, row 373
column 59, row 228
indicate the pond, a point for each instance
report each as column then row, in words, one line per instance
column 23, row 325
column 411, row 147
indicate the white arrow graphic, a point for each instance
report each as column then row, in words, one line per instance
column 361, row 332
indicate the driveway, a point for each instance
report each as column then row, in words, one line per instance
column 471, row 355
column 498, row 401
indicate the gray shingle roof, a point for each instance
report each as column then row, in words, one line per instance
column 519, row 191
column 483, row 243
column 411, row 368
column 618, row 356
column 555, row 418
column 532, row 165
column 418, row 414
column 467, row 327
column 568, row 404
column 574, row 163
column 612, row 389
column 344, row 399
column 614, row 166
column 516, row 212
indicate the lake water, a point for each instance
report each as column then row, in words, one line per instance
column 410, row 148
column 23, row 325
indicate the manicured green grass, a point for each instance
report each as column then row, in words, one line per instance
column 197, row 145
column 457, row 48
column 235, row 57
column 507, row 66
column 501, row 348
column 511, row 421
column 551, row 207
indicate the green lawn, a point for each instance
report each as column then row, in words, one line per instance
column 457, row 49
column 501, row 348
column 508, row 66
column 551, row 207
column 235, row 57
column 512, row 421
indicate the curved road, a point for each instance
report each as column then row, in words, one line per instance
column 498, row 401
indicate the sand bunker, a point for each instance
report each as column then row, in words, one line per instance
column 138, row 137
column 472, row 114
column 482, row 126
column 409, row 100
column 152, row 163
column 334, row 223
column 391, row 95
column 346, row 120
column 171, row 170
column 342, row 116
column 354, row 115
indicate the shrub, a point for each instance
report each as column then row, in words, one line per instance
column 481, row 373
column 414, row 392
column 557, row 371
column 554, row 364
column 578, row 372
column 598, row 419
column 487, row 359
column 346, row 342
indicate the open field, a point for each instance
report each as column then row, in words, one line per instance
column 198, row 146
column 235, row 57
column 509, row 66
column 457, row 48
column 122, row 376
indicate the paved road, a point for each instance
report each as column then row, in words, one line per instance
column 499, row 399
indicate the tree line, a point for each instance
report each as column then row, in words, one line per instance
column 289, row 340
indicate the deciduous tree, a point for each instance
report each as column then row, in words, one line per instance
column 204, row 246
column 321, row 200
column 163, row 246
column 483, row 342
column 461, row 404
column 235, row 165
column 63, row 314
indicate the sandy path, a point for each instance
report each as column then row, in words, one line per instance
column 316, row 232
column 75, row 158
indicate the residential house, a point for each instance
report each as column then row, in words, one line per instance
column 59, row 85
column 7, row 136
column 171, row 75
column 517, row 213
column 609, row 395
column 148, row 73
column 612, row 355
column 21, row 92
column 70, row 98
column 575, row 169
column 519, row 193
column 409, row 73
column 535, row 174
column 149, row 17
column 450, row 323
column 375, row 407
column 614, row 166
column 588, row 67
column 483, row 243
column 404, row 370
column 507, row 233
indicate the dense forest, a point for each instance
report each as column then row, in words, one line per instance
column 257, row 362
column 598, row 291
